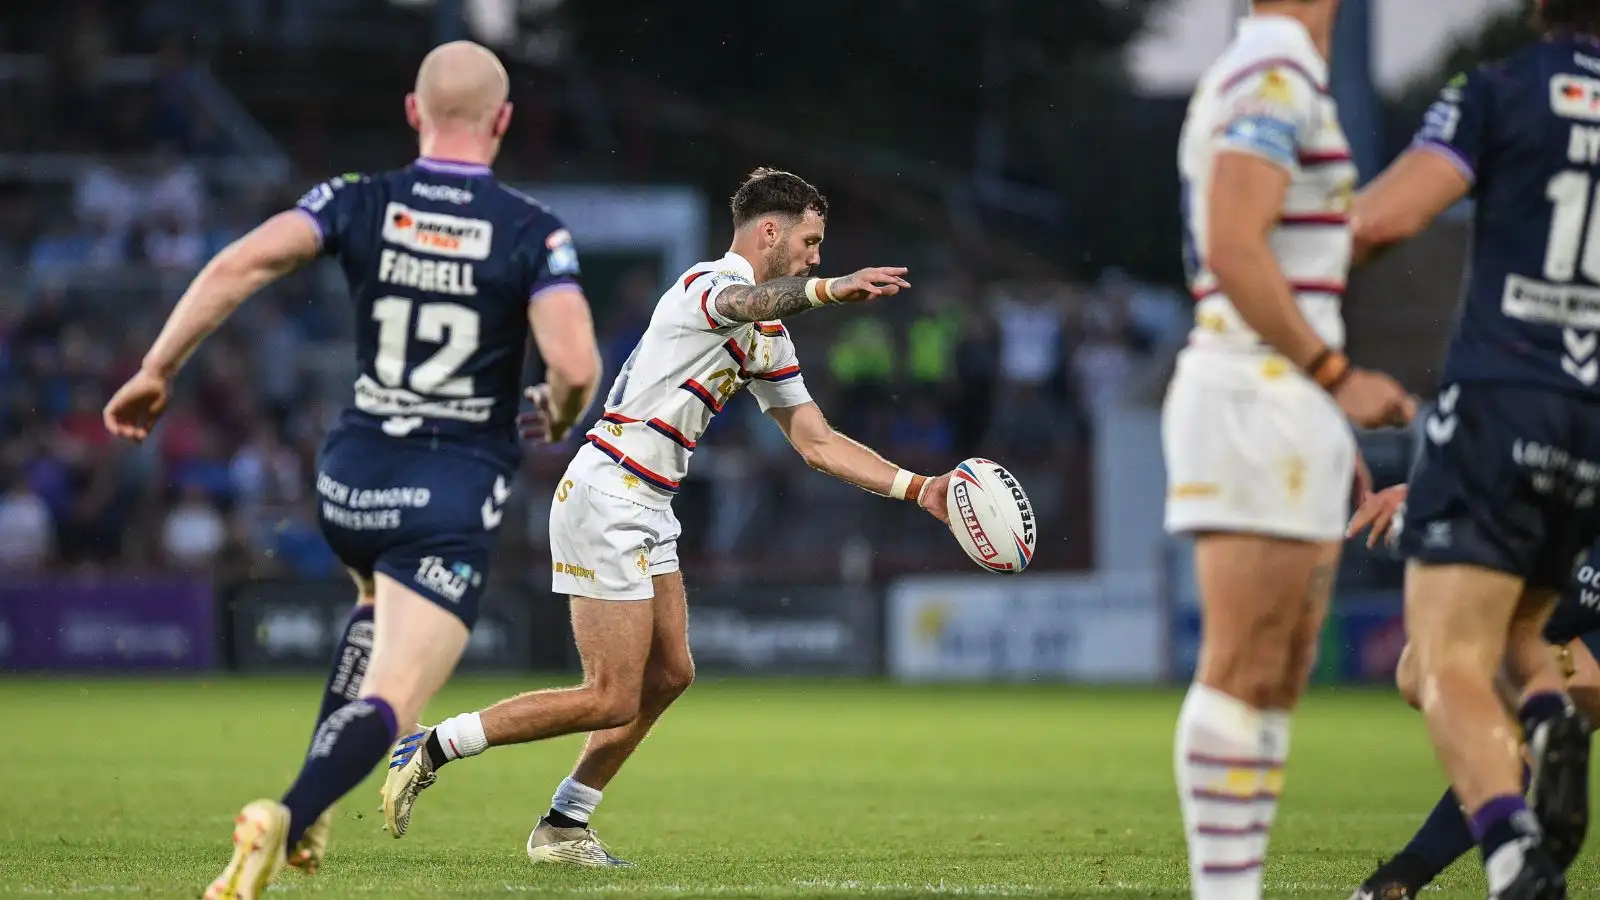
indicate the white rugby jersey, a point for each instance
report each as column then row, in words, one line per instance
column 689, row 364
column 1268, row 96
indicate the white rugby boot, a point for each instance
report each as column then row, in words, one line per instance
column 570, row 846
column 410, row 773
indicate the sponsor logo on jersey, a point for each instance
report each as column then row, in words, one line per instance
column 562, row 258
column 438, row 234
column 450, row 582
column 442, row 193
column 1275, row 88
column 1575, row 97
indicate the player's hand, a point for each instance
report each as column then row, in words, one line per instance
column 869, row 284
column 1372, row 400
column 1363, row 486
column 137, row 405
column 935, row 497
column 540, row 425
column 1377, row 511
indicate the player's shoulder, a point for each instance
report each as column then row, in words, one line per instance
column 711, row 273
column 1274, row 49
column 323, row 192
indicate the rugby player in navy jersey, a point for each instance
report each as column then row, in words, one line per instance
column 1573, row 634
column 1503, row 500
column 450, row 271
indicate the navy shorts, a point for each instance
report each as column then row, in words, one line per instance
column 426, row 516
column 1509, row 479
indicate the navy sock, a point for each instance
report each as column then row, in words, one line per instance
column 1499, row 822
column 349, row 666
column 344, row 750
column 1541, row 708
column 1444, row 837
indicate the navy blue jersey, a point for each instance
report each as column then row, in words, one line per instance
column 442, row 262
column 1526, row 132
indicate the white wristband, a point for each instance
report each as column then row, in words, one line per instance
column 818, row 292
column 907, row 485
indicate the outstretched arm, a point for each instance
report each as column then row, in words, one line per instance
column 1408, row 196
column 827, row 450
column 782, row 297
column 272, row 250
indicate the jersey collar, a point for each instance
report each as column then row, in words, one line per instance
column 451, row 167
column 738, row 264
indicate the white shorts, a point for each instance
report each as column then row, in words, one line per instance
column 1254, row 446
column 608, row 547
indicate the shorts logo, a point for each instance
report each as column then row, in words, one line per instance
column 563, row 568
column 438, row 234
column 1441, row 426
column 642, row 563
column 450, row 582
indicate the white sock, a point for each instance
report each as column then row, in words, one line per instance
column 575, row 800
column 1275, row 753
column 1221, row 786
column 462, row 736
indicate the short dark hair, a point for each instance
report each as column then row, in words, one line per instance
column 767, row 191
column 1579, row 16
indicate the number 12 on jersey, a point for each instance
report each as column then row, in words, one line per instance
column 452, row 325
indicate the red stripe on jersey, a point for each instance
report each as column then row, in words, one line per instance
column 783, row 374
column 706, row 397
column 622, row 460
column 710, row 322
column 1299, row 287
column 671, row 434
column 1309, row 158
column 1273, row 63
column 690, row 278
column 617, row 418
column 774, row 329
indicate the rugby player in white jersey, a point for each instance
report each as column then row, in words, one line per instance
column 613, row 536
column 1261, row 459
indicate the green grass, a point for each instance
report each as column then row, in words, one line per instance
column 793, row 789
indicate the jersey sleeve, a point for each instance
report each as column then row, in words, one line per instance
column 705, row 293
column 781, row 384
column 333, row 207
column 1455, row 126
column 551, row 257
column 1267, row 110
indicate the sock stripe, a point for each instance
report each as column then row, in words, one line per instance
column 1231, row 868
column 1227, row 762
column 1231, row 830
column 1226, row 797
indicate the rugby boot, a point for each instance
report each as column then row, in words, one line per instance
column 259, row 833
column 570, row 846
column 306, row 856
column 1401, row 878
column 1558, row 791
column 1538, row 878
column 410, row 773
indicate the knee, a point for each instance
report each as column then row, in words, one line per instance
column 613, row 705
column 1407, row 679
column 667, row 682
column 1255, row 670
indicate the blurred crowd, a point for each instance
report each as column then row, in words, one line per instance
column 98, row 255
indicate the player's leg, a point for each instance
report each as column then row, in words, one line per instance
column 1253, row 595
column 416, row 645
column 349, row 667
column 1459, row 618
column 1556, row 735
column 563, row 835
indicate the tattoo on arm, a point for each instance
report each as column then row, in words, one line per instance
column 773, row 299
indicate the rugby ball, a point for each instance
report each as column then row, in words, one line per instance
column 990, row 516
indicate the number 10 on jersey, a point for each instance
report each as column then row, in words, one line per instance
column 451, row 325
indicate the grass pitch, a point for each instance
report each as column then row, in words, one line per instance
column 748, row 789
